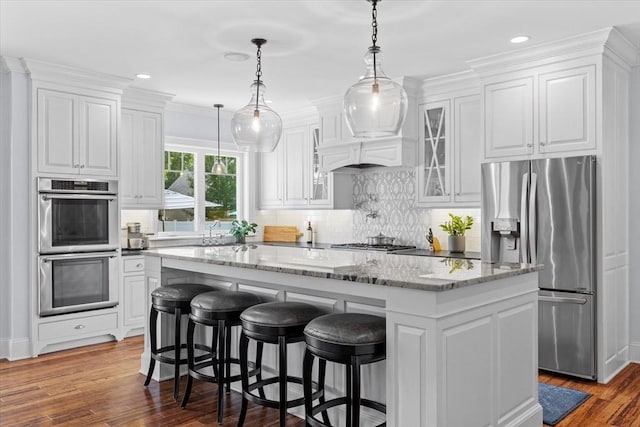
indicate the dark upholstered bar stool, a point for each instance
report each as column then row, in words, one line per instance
column 352, row 339
column 176, row 300
column 278, row 323
column 220, row 309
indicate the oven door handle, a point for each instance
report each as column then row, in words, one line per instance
column 108, row 197
column 49, row 258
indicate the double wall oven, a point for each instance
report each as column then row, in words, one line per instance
column 78, row 245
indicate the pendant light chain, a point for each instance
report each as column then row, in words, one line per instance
column 374, row 36
column 218, row 107
column 258, row 73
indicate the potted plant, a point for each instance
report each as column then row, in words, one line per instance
column 456, row 229
column 240, row 229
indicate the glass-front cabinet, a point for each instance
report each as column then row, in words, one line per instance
column 434, row 172
column 319, row 180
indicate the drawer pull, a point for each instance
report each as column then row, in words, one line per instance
column 80, row 327
column 138, row 265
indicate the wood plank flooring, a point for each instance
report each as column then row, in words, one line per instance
column 100, row 385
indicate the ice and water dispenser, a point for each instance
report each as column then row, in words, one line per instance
column 505, row 240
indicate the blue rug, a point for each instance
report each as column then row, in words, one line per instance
column 558, row 402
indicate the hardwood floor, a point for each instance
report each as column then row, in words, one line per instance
column 100, row 385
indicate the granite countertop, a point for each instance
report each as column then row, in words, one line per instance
column 408, row 271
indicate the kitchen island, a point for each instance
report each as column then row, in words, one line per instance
column 461, row 334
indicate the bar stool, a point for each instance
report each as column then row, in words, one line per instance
column 171, row 299
column 278, row 323
column 220, row 309
column 351, row 339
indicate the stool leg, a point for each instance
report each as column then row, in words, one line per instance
column 227, row 357
column 355, row 390
column 322, row 369
column 244, row 375
column 177, row 345
column 153, row 321
column 307, row 367
column 259, row 348
column 190, row 358
column 282, row 367
column 349, row 395
column 222, row 331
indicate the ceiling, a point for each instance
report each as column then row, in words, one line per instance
column 314, row 48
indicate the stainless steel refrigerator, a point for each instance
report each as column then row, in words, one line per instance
column 542, row 211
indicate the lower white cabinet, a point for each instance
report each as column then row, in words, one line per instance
column 133, row 295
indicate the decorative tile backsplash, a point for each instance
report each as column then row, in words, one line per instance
column 385, row 200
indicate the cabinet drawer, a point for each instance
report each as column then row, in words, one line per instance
column 77, row 327
column 132, row 265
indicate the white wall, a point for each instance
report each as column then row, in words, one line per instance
column 14, row 244
column 634, row 214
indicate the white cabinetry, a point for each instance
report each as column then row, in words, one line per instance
column 141, row 182
column 133, row 295
column 142, row 149
column 291, row 177
column 547, row 109
column 450, row 151
column 76, row 134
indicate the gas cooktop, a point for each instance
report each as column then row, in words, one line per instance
column 366, row 247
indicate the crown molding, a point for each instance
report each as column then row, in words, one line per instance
column 62, row 74
column 139, row 98
column 621, row 50
column 546, row 53
column 464, row 80
column 9, row 64
column 300, row 116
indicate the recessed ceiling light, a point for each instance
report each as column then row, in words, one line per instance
column 236, row 56
column 143, row 76
column 519, row 39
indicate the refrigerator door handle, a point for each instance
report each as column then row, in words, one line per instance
column 532, row 219
column 580, row 301
column 524, row 228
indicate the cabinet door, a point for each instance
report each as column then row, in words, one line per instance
column 134, row 300
column 467, row 148
column 296, row 171
column 128, row 156
column 320, row 193
column 97, row 139
column 271, row 178
column 57, row 128
column 149, row 160
column 567, row 110
column 508, row 120
column 434, row 169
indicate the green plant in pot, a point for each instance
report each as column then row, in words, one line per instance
column 240, row 229
column 456, row 229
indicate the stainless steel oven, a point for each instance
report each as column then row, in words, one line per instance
column 77, row 282
column 77, row 215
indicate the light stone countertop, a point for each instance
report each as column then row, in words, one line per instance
column 406, row 271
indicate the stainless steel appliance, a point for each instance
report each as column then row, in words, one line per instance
column 543, row 211
column 367, row 247
column 77, row 282
column 77, row 215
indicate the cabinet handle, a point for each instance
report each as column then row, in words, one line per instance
column 529, row 145
column 542, row 143
column 79, row 327
column 81, row 166
column 138, row 265
column 457, row 194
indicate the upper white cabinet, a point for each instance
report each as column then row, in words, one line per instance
column 142, row 149
column 76, row 134
column 547, row 109
column 450, row 151
column 290, row 176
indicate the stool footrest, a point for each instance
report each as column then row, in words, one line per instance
column 274, row 403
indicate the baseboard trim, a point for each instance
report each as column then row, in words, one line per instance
column 15, row 349
column 634, row 352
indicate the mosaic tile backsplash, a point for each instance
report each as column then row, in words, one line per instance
column 385, row 201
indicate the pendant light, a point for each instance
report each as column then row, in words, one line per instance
column 375, row 106
column 218, row 168
column 256, row 127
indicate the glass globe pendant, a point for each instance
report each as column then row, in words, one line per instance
column 375, row 106
column 256, row 127
column 218, row 168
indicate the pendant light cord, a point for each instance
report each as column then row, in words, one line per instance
column 218, row 107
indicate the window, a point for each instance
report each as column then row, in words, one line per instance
column 196, row 199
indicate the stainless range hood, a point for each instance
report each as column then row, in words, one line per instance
column 340, row 151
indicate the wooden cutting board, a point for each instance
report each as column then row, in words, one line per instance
column 281, row 233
